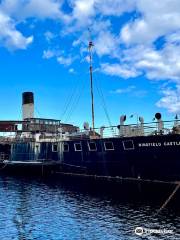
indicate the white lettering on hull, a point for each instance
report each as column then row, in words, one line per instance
column 159, row 144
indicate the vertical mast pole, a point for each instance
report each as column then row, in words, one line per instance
column 91, row 81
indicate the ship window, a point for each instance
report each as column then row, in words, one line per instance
column 66, row 147
column 128, row 145
column 92, row 146
column 108, row 146
column 54, row 147
column 77, row 147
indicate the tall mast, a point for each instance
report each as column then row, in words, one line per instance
column 90, row 47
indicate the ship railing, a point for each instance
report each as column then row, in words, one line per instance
column 131, row 130
column 128, row 130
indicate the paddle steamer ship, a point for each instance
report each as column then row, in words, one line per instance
column 138, row 151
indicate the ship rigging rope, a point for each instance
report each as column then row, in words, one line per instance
column 75, row 100
column 69, row 101
column 99, row 90
column 104, row 106
column 38, row 113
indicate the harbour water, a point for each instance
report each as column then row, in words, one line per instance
column 54, row 210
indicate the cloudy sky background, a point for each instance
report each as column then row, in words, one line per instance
column 43, row 48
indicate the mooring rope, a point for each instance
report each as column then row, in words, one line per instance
column 169, row 198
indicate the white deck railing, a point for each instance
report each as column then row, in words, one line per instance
column 145, row 129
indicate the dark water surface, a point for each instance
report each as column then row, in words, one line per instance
column 50, row 210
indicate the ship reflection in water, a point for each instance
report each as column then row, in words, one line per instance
column 32, row 209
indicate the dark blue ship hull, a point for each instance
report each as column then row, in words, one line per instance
column 153, row 157
column 149, row 157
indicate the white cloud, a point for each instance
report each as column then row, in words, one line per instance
column 71, row 70
column 130, row 33
column 47, row 54
column 33, row 8
column 42, row 9
column 132, row 90
column 170, row 100
column 11, row 7
column 86, row 13
column 174, row 37
column 106, row 44
column 101, row 25
column 124, row 90
column 60, row 57
column 159, row 18
column 118, row 70
column 65, row 60
column 153, row 20
column 140, row 56
column 13, row 12
column 49, row 36
column 160, row 64
column 9, row 36
column 84, row 10
column 116, row 7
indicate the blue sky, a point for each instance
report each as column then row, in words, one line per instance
column 43, row 48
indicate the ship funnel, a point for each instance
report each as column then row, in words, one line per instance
column 160, row 123
column 27, row 105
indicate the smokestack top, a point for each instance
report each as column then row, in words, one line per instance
column 27, row 98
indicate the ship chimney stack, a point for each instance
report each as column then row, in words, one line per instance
column 27, row 105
